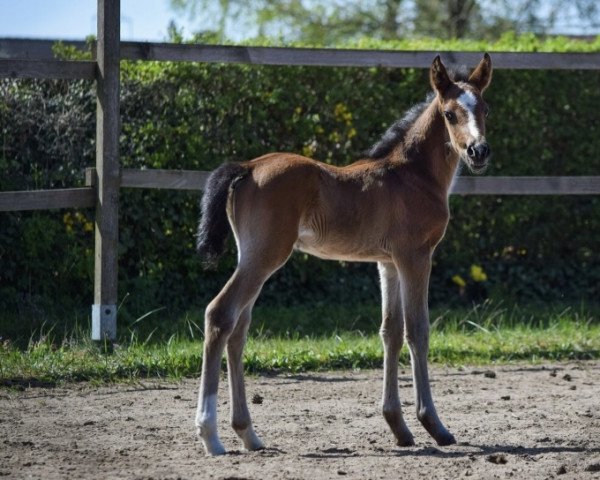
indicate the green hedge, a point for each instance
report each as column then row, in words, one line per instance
column 197, row 116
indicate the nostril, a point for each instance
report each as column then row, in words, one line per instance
column 485, row 150
column 478, row 152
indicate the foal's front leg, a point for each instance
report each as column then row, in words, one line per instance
column 414, row 272
column 392, row 336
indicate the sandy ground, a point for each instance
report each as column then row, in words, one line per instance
column 518, row 421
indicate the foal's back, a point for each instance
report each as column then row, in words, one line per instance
column 360, row 212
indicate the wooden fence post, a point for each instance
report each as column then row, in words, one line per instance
column 104, row 309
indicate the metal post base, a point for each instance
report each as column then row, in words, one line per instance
column 104, row 322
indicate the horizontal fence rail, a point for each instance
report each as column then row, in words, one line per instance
column 327, row 57
column 164, row 179
column 196, row 180
column 47, row 69
column 156, row 178
column 527, row 185
column 47, row 199
column 35, row 49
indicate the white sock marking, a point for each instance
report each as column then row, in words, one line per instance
column 206, row 421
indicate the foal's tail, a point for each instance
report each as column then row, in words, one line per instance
column 214, row 225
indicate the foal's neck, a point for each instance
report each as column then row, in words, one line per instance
column 426, row 149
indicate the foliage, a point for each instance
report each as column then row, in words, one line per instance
column 507, row 42
column 191, row 116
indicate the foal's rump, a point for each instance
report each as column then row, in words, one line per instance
column 267, row 207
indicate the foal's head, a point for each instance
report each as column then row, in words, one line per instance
column 464, row 111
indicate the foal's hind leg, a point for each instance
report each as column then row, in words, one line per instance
column 240, row 415
column 415, row 268
column 262, row 251
column 221, row 317
column 392, row 333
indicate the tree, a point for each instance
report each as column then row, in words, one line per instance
column 323, row 22
column 543, row 16
column 329, row 22
column 450, row 19
column 320, row 22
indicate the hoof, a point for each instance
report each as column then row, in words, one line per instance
column 254, row 446
column 445, row 439
column 436, row 429
column 215, row 452
column 250, row 439
column 405, row 439
column 212, row 445
column 214, row 449
column 406, row 442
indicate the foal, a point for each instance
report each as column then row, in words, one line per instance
column 391, row 208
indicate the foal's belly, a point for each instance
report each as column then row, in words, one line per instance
column 343, row 248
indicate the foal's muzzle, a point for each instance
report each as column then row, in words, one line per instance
column 478, row 154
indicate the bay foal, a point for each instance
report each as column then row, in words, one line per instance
column 390, row 208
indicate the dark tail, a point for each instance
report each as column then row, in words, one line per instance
column 214, row 227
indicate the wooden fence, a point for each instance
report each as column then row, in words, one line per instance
column 34, row 59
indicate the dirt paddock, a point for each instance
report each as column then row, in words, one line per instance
column 517, row 421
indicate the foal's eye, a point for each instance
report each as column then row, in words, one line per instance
column 450, row 116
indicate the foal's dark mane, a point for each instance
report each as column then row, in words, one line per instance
column 397, row 132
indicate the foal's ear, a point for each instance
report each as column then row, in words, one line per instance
column 438, row 76
column 482, row 75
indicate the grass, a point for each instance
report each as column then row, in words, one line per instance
column 485, row 334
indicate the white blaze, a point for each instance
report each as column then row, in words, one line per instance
column 468, row 101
